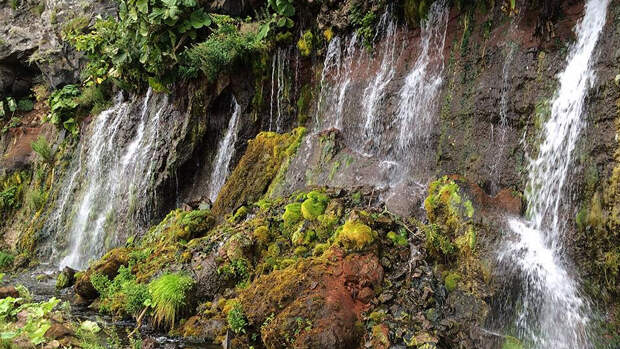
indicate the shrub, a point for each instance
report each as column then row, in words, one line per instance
column 6, row 259
column 25, row 105
column 305, row 44
column 43, row 149
column 169, row 296
column 221, row 51
column 122, row 295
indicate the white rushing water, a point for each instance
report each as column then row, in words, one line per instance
column 375, row 91
column 418, row 105
column 551, row 312
column 225, row 152
column 112, row 176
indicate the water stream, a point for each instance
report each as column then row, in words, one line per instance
column 551, row 312
column 225, row 152
column 111, row 180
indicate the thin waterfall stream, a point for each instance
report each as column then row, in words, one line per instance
column 225, row 152
column 551, row 312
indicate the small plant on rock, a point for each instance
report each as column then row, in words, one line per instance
column 169, row 295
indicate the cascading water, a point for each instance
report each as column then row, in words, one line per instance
column 550, row 312
column 374, row 93
column 500, row 141
column 417, row 106
column 111, row 180
column 225, row 151
column 279, row 69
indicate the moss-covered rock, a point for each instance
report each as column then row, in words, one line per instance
column 257, row 168
column 108, row 265
column 314, row 205
column 356, row 236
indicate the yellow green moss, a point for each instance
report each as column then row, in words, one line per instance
column 356, row 236
column 314, row 205
column 305, row 43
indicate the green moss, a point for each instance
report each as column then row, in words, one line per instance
column 292, row 214
column 512, row 343
column 356, row 236
column 262, row 234
column 398, row 239
column 303, row 104
column 264, row 162
column 195, row 223
column 314, row 205
column 169, row 296
column 451, row 281
column 240, row 214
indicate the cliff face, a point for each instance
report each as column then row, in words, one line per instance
column 459, row 100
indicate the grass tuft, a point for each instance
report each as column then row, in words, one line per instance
column 168, row 297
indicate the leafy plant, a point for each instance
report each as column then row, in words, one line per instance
column 364, row 22
column 25, row 105
column 169, row 296
column 225, row 47
column 43, row 149
column 63, row 106
column 123, row 294
column 236, row 319
column 143, row 44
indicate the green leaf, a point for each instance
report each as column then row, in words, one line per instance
column 11, row 104
column 143, row 6
column 281, row 22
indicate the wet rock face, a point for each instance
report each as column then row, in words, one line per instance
column 31, row 48
column 327, row 295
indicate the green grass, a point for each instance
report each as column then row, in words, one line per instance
column 43, row 149
column 169, row 296
column 6, row 259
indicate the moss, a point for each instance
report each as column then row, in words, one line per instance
column 236, row 318
column 356, row 236
column 193, row 224
column 257, row 169
column 239, row 214
column 319, row 249
column 314, row 205
column 303, row 103
column 377, row 316
column 398, row 239
column 451, row 281
column 292, row 214
column 511, row 343
column 262, row 234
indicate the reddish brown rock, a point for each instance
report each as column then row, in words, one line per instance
column 318, row 300
column 8, row 291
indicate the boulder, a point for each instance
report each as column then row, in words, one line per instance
column 108, row 265
column 8, row 291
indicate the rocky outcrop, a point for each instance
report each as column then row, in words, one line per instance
column 31, row 45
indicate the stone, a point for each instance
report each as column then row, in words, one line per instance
column 8, row 291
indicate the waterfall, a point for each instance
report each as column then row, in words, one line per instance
column 110, row 182
column 331, row 67
column 418, row 95
column 550, row 312
column 225, row 151
column 503, row 118
column 279, row 69
column 374, row 93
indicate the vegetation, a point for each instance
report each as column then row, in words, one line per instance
column 6, row 260
column 122, row 295
column 236, row 319
column 364, row 22
column 169, row 295
column 43, row 149
column 225, row 47
column 63, row 106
